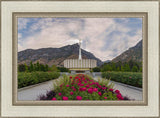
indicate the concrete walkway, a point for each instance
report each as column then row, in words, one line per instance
column 127, row 90
column 32, row 92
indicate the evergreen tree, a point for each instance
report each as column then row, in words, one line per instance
column 53, row 68
column 140, row 69
column 131, row 64
column 37, row 66
column 122, row 68
column 21, row 68
column 113, row 66
column 31, row 67
column 109, row 67
column 106, row 68
column 96, row 69
column 46, row 67
column 34, row 67
column 42, row 68
column 118, row 69
column 26, row 67
column 63, row 69
column 126, row 67
column 134, row 69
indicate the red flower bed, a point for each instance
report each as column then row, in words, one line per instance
column 82, row 87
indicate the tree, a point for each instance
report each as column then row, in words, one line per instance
column 106, row 67
column 31, row 67
column 131, row 64
column 42, row 67
column 126, row 67
column 113, row 66
column 26, row 67
column 134, row 69
column 140, row 69
column 118, row 69
column 46, row 67
column 34, row 67
column 63, row 69
column 37, row 66
column 96, row 69
column 21, row 68
column 53, row 68
column 122, row 68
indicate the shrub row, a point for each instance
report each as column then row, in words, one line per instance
column 26, row 79
column 130, row 78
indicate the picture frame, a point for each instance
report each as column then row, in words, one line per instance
column 80, row 15
column 11, row 10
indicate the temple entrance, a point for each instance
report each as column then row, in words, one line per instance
column 80, row 71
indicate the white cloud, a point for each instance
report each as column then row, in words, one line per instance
column 22, row 23
column 94, row 31
column 19, row 35
column 20, row 47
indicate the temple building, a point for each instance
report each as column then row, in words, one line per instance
column 80, row 65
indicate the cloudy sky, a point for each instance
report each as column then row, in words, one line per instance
column 106, row 38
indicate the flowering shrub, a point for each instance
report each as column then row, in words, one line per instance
column 130, row 78
column 27, row 79
column 83, row 87
column 65, row 98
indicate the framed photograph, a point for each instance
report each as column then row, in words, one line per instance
column 80, row 59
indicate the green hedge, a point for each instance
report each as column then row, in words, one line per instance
column 130, row 78
column 26, row 79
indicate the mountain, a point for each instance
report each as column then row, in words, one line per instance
column 54, row 56
column 107, row 61
column 133, row 53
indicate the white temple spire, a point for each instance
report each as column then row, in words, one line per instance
column 80, row 56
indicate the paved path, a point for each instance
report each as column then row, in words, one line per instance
column 32, row 92
column 126, row 90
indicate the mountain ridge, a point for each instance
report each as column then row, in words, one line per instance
column 54, row 56
column 134, row 53
column 57, row 56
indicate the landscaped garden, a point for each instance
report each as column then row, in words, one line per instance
column 82, row 87
column 36, row 73
column 130, row 78
column 129, row 73
column 31, row 78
